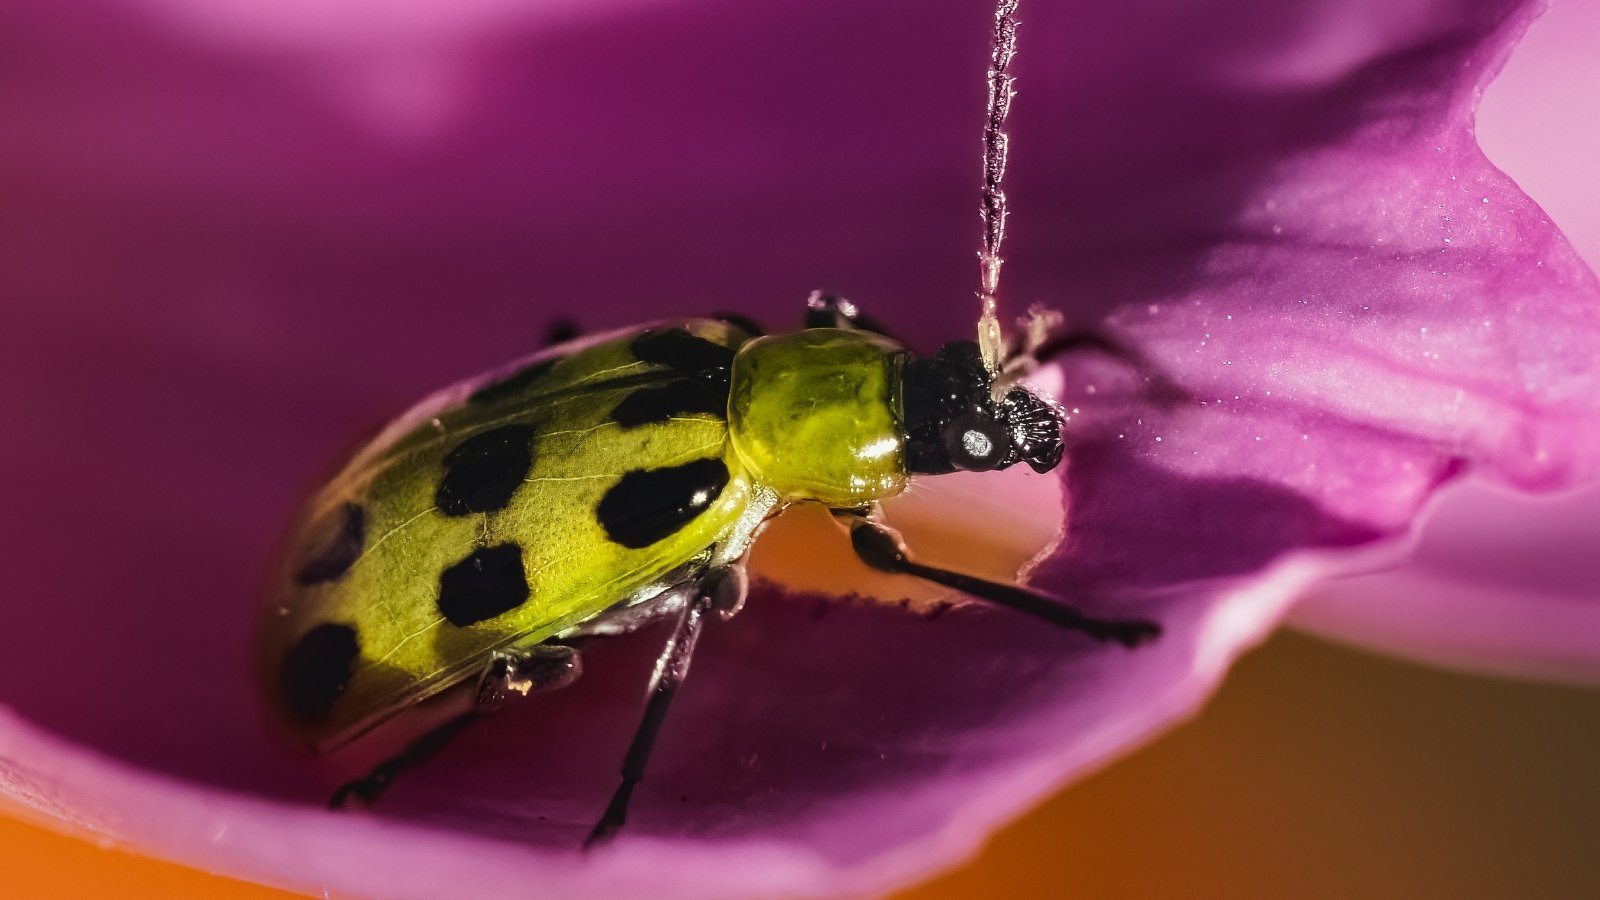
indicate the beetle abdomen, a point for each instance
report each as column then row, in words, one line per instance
column 503, row 516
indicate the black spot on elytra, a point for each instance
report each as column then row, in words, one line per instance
column 317, row 667
column 333, row 545
column 649, row 505
column 682, row 397
column 483, row 471
column 515, row 384
column 484, row 585
column 680, row 350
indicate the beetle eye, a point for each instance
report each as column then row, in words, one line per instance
column 975, row 443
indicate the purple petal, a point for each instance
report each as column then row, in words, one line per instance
column 243, row 238
column 1502, row 583
column 1499, row 583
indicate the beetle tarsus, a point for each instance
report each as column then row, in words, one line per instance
column 824, row 310
column 365, row 789
column 616, row 815
column 1130, row 634
column 561, row 330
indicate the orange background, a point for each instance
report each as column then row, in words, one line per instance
column 1318, row 772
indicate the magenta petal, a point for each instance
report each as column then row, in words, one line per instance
column 1499, row 583
column 1503, row 583
column 1377, row 313
column 241, row 245
column 902, row 779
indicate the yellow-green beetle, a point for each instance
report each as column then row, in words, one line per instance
column 612, row 482
column 606, row 484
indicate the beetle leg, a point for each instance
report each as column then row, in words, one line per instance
column 717, row 591
column 742, row 322
column 513, row 674
column 561, row 330
column 827, row 311
column 510, row 674
column 368, row 788
column 881, row 548
column 728, row 592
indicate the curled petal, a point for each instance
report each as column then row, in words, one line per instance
column 1503, row 583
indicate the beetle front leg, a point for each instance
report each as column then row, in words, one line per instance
column 880, row 547
column 510, row 674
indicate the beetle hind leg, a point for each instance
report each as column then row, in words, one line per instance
column 824, row 310
column 509, row 675
column 369, row 787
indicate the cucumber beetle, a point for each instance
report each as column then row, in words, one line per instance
column 614, row 481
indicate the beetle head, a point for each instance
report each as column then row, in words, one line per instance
column 954, row 422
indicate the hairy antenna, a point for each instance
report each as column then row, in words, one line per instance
column 1001, row 90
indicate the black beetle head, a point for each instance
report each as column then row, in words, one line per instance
column 953, row 422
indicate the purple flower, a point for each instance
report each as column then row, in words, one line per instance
column 240, row 234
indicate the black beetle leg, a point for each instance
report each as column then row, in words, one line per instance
column 720, row 591
column 510, row 674
column 881, row 548
column 518, row 673
column 561, row 330
column 824, row 310
column 1159, row 387
column 740, row 321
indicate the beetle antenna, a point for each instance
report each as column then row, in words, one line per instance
column 1001, row 91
